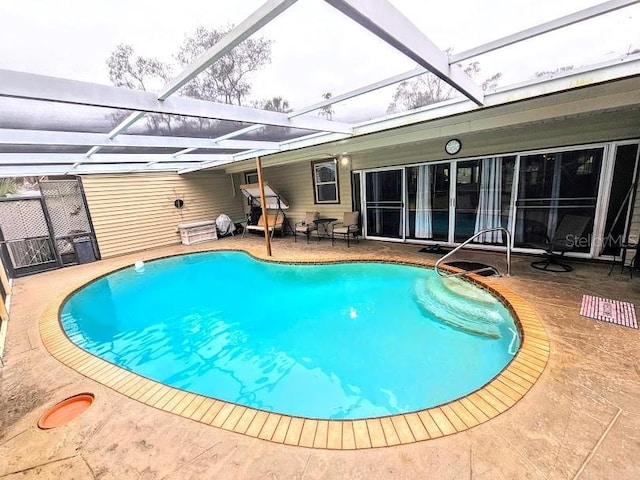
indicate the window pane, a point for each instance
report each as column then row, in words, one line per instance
column 554, row 185
column 251, row 177
column 325, row 172
column 617, row 211
column 327, row 193
column 384, row 186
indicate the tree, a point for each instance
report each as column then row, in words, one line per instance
column 327, row 111
column 428, row 89
column 274, row 104
column 137, row 73
column 226, row 80
column 7, row 187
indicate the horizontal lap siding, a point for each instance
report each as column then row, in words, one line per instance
column 412, row 153
column 506, row 141
column 133, row 212
column 294, row 183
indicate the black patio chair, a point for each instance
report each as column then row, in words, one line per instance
column 565, row 239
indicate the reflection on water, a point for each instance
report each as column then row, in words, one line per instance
column 322, row 341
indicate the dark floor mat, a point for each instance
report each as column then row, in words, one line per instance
column 469, row 266
column 432, row 249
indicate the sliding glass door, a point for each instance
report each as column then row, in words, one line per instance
column 554, row 185
column 428, row 200
column 467, row 197
column 384, row 205
column 483, row 198
column 449, row 202
column 620, row 197
column 481, row 195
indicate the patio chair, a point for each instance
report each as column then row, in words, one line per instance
column 306, row 226
column 347, row 228
column 565, row 239
column 275, row 222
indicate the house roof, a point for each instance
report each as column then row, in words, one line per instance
column 54, row 126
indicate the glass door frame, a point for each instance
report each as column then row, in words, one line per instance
column 604, row 185
column 363, row 197
column 453, row 199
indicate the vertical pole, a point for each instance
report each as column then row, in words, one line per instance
column 263, row 204
column 4, row 314
column 94, row 239
column 52, row 234
column 4, row 279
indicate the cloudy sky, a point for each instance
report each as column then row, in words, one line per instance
column 316, row 49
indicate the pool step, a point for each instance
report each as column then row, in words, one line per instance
column 460, row 305
column 476, row 267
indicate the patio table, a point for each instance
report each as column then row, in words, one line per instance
column 323, row 226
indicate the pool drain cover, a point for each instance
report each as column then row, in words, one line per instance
column 65, row 411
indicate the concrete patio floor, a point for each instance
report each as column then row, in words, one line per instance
column 580, row 420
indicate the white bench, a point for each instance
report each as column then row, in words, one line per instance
column 198, row 232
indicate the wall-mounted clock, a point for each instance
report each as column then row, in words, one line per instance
column 453, row 146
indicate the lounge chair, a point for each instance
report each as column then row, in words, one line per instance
column 347, row 228
column 306, row 226
column 565, row 239
column 275, row 222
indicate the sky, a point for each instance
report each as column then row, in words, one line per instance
column 316, row 49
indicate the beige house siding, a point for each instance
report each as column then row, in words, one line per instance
column 295, row 184
column 133, row 212
column 553, row 135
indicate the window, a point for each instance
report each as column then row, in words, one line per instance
column 251, row 177
column 325, row 181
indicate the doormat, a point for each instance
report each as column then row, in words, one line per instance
column 431, row 249
column 607, row 310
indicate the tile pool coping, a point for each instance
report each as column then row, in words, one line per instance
column 494, row 398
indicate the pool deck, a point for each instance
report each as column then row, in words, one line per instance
column 579, row 420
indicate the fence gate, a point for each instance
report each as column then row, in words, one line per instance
column 27, row 245
column 47, row 232
column 69, row 221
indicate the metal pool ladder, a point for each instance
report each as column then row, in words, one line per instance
column 483, row 269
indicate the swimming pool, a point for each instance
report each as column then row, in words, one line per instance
column 228, row 326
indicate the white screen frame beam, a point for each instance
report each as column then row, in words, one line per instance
column 388, row 23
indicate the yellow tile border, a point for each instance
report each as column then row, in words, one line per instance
column 497, row 396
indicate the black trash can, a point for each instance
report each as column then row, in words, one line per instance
column 84, row 250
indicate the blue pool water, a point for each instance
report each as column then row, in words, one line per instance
column 339, row 341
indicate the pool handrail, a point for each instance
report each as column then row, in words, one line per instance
column 473, row 237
